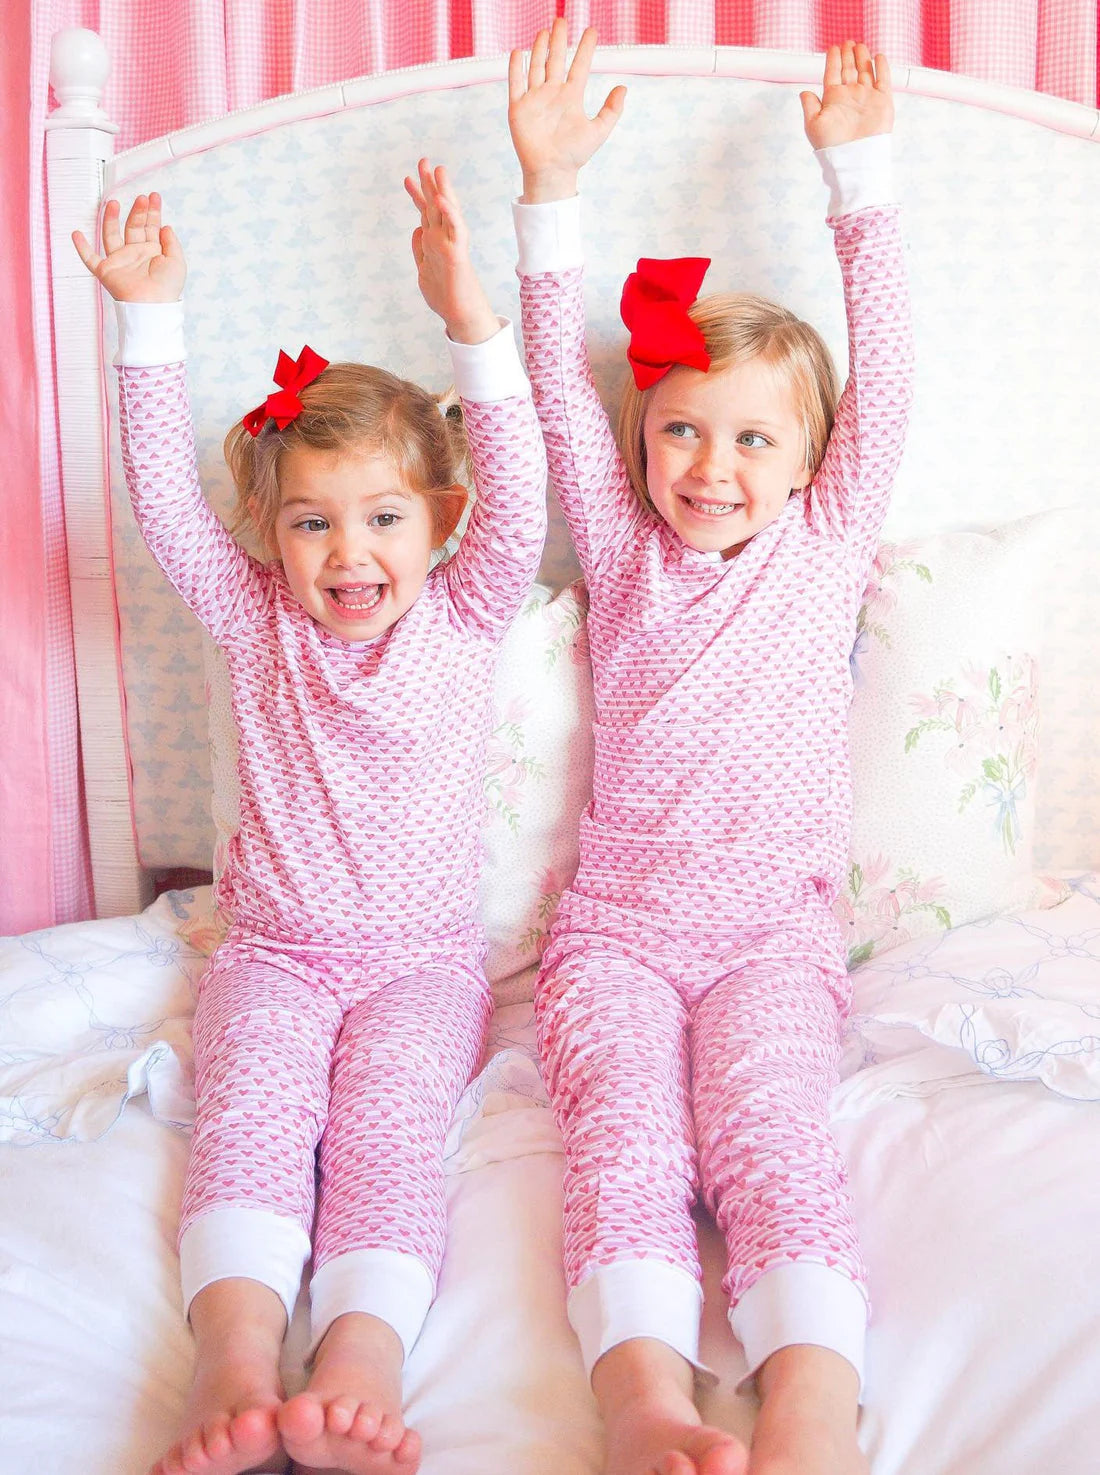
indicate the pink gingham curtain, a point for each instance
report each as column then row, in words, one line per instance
column 177, row 62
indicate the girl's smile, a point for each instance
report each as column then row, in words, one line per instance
column 355, row 541
column 724, row 450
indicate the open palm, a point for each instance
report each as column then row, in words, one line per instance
column 142, row 262
column 856, row 97
column 552, row 133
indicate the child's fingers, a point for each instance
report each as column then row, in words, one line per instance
column 152, row 218
column 517, row 77
column 848, row 73
column 863, row 65
column 417, row 243
column 536, row 67
column 135, row 221
column 883, row 81
column 112, row 235
column 832, row 67
column 429, row 191
column 415, row 194
column 811, row 106
column 446, row 193
column 170, row 243
column 555, row 56
column 612, row 109
column 450, row 210
column 582, row 59
column 89, row 257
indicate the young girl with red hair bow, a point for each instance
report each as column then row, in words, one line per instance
column 692, row 993
column 346, row 1010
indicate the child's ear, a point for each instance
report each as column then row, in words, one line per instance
column 452, row 501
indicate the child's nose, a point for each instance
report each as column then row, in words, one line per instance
column 713, row 464
column 351, row 549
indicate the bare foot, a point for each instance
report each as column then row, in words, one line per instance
column 349, row 1418
column 229, row 1421
column 230, row 1417
column 646, row 1440
column 807, row 1420
column 651, row 1424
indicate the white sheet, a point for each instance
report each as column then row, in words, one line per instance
column 978, row 1211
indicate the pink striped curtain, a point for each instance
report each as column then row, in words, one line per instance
column 176, row 62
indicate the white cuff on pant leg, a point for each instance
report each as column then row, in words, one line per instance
column 397, row 1288
column 801, row 1303
column 249, row 1244
column 636, row 1298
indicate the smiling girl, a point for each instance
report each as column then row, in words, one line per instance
column 346, row 1010
column 692, row 994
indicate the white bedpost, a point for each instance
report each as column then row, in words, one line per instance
column 79, row 141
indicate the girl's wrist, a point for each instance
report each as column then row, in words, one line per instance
column 542, row 186
column 471, row 328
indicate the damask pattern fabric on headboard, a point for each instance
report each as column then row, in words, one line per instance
column 979, row 451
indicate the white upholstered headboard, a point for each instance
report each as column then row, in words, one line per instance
column 296, row 230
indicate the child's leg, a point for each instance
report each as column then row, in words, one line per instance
column 611, row 1036
column 263, row 1040
column 764, row 1056
column 402, row 1061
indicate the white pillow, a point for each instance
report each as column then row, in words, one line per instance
column 944, row 732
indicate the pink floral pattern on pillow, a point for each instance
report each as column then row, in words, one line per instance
column 880, row 903
column 508, row 766
column 991, row 719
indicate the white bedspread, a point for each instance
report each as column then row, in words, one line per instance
column 978, row 1211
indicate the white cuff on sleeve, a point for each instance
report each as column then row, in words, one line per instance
column 149, row 334
column 549, row 236
column 484, row 372
column 636, row 1298
column 801, row 1303
column 395, row 1287
column 249, row 1244
column 859, row 174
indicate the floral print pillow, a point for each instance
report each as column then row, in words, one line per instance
column 945, row 736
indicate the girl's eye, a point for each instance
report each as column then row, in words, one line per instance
column 679, row 430
column 312, row 524
column 385, row 519
column 753, row 439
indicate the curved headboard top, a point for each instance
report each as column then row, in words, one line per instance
column 296, row 229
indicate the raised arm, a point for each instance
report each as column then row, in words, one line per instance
column 554, row 137
column 498, row 557
column 143, row 269
column 849, row 126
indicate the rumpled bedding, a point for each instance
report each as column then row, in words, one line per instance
column 94, row 1014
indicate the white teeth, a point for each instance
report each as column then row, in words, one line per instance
column 712, row 509
column 343, row 597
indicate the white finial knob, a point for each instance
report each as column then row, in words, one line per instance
column 78, row 70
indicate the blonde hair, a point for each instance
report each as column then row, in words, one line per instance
column 350, row 408
column 737, row 327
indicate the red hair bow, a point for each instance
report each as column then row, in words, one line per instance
column 284, row 405
column 656, row 298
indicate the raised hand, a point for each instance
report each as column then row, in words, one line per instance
column 553, row 135
column 441, row 250
column 144, row 265
column 856, row 98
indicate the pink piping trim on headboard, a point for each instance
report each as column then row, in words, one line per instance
column 735, row 62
